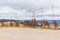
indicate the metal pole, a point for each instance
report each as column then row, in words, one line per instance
column 41, row 13
column 17, row 24
column 53, row 12
column 33, row 13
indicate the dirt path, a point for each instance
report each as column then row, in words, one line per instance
column 29, row 34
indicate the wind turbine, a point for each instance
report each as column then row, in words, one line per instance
column 55, row 23
column 17, row 23
column 33, row 22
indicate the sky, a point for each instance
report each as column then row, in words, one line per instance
column 25, row 9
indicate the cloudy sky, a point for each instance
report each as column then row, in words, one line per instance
column 25, row 9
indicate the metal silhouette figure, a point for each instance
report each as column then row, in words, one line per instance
column 55, row 25
column 33, row 22
column 17, row 23
column 46, row 24
column 11, row 24
column 2, row 23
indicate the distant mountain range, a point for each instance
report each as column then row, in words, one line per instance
column 50, row 21
column 5, row 20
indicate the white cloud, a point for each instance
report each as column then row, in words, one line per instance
column 6, row 9
column 9, row 11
